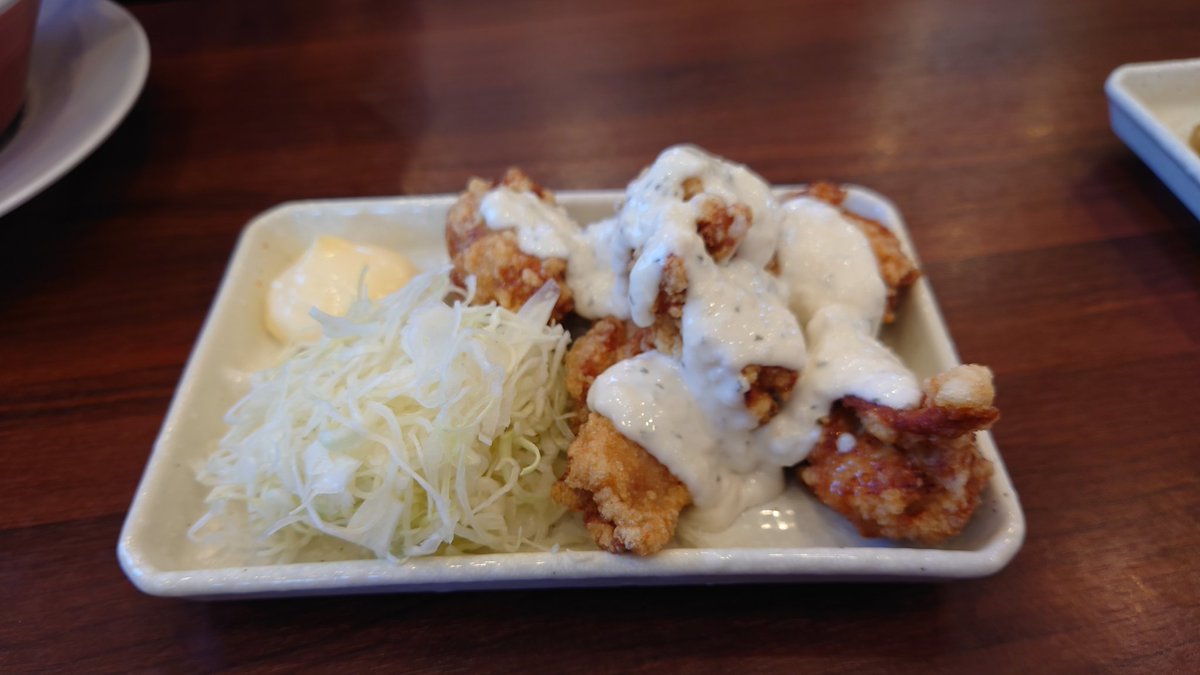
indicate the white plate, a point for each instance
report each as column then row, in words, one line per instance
column 1153, row 107
column 88, row 64
column 791, row 539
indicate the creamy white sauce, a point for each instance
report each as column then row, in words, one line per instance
column 845, row 359
column 825, row 258
column 655, row 221
column 848, row 360
column 846, row 442
column 735, row 316
column 596, row 272
column 688, row 410
column 327, row 277
column 543, row 230
column 648, row 400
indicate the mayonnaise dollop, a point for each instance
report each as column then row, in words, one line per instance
column 326, row 277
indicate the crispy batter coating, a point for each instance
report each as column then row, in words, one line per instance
column 897, row 269
column 610, row 340
column 607, row 342
column 957, row 402
column 503, row 273
column 722, row 228
column 911, row 474
column 630, row 501
column 770, row 388
column 668, row 307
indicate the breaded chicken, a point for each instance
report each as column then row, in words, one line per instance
column 957, row 402
column 721, row 227
column 907, row 474
column 610, row 341
column 897, row 269
column 668, row 307
column 769, row 388
column 629, row 500
column 503, row 273
column 607, row 342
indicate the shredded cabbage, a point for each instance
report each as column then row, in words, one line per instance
column 414, row 427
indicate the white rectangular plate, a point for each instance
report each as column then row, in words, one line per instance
column 793, row 538
column 1153, row 107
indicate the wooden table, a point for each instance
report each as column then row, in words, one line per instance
column 1059, row 259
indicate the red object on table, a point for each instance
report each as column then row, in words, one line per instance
column 17, row 21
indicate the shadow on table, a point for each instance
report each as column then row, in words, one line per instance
column 1146, row 199
column 1156, row 238
column 595, row 629
column 43, row 237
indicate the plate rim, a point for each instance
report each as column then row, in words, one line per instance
column 120, row 104
column 1175, row 161
column 565, row 568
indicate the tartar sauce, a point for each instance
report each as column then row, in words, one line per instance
column 818, row 316
column 826, row 259
column 326, row 276
column 543, row 230
column 648, row 399
column 845, row 359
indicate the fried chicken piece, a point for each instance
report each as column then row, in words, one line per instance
column 607, row 342
column 668, row 307
column 908, row 474
column 957, row 402
column 610, row 340
column 721, row 227
column 630, row 501
column 897, row 269
column 503, row 273
column 770, row 388
column 830, row 193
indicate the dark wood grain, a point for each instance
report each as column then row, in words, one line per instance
column 1058, row 258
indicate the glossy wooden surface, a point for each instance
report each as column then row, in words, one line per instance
column 1058, row 257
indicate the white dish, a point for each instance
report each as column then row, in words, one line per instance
column 1154, row 107
column 88, row 65
column 791, row 539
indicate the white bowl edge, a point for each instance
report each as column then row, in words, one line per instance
column 1170, row 158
